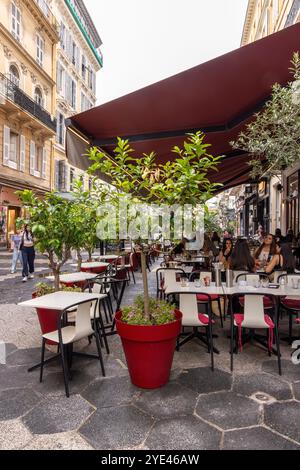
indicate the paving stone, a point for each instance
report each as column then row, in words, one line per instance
column 13, row 435
column 296, row 389
column 53, row 383
column 228, row 410
column 172, row 400
column 58, row 414
column 9, row 348
column 273, row 386
column 284, row 418
column 290, row 371
column 258, row 438
column 60, row 441
column 119, row 427
column 107, row 392
column 16, row 377
column 28, row 357
column 204, row 380
column 16, row 402
column 185, row 433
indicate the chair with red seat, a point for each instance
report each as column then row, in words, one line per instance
column 290, row 304
column 252, row 318
column 165, row 276
column 202, row 298
column 188, row 306
column 251, row 278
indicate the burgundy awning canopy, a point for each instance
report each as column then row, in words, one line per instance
column 218, row 97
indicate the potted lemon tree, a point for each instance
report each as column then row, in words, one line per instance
column 149, row 328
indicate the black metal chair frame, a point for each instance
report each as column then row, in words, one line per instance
column 206, row 338
column 252, row 336
column 291, row 312
column 66, row 351
column 191, row 278
column 159, row 291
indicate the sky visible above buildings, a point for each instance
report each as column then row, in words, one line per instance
column 145, row 41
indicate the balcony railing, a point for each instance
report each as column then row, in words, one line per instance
column 12, row 92
column 293, row 13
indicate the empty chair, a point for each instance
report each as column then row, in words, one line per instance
column 291, row 303
column 65, row 336
column 202, row 298
column 254, row 318
column 130, row 267
column 166, row 277
column 188, row 306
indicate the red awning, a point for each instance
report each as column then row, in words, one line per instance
column 218, row 97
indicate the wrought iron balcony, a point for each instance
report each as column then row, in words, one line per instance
column 292, row 16
column 12, row 92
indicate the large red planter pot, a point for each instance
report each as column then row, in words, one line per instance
column 48, row 319
column 94, row 270
column 149, row 350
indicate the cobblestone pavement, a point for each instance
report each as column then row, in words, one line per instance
column 253, row 408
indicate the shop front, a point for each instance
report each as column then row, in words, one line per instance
column 292, row 202
column 10, row 210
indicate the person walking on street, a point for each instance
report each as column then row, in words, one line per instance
column 28, row 253
column 15, row 247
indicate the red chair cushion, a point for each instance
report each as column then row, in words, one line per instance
column 203, row 298
column 204, row 319
column 291, row 303
column 239, row 318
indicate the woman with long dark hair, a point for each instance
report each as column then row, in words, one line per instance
column 284, row 260
column 226, row 252
column 241, row 259
column 266, row 251
column 28, row 253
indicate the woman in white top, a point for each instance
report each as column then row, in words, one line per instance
column 28, row 253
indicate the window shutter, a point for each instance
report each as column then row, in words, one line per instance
column 22, row 152
column 44, row 163
column 6, row 144
column 56, row 174
column 32, row 157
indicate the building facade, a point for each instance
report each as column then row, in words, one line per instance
column 279, row 206
column 28, row 39
column 78, row 60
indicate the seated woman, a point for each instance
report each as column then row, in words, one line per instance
column 241, row 259
column 266, row 251
column 226, row 252
column 283, row 261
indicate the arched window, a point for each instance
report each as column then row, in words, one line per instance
column 38, row 97
column 14, row 75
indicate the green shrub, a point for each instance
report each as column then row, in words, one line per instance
column 161, row 312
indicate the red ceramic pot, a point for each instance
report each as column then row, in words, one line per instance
column 149, row 350
column 48, row 319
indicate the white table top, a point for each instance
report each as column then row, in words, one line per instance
column 176, row 288
column 92, row 264
column 61, row 300
column 282, row 291
column 103, row 257
column 74, row 277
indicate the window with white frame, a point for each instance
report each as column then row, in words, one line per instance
column 15, row 21
column 73, row 94
column 62, row 36
column 85, row 103
column 13, row 149
column 14, row 75
column 40, row 49
column 38, row 96
column 60, row 79
column 60, row 129
column 83, row 67
column 275, row 10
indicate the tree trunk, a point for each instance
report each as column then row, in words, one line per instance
column 56, row 278
column 79, row 260
column 145, row 285
column 90, row 252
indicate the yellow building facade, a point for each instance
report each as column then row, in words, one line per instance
column 265, row 17
column 28, row 38
column 78, row 61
